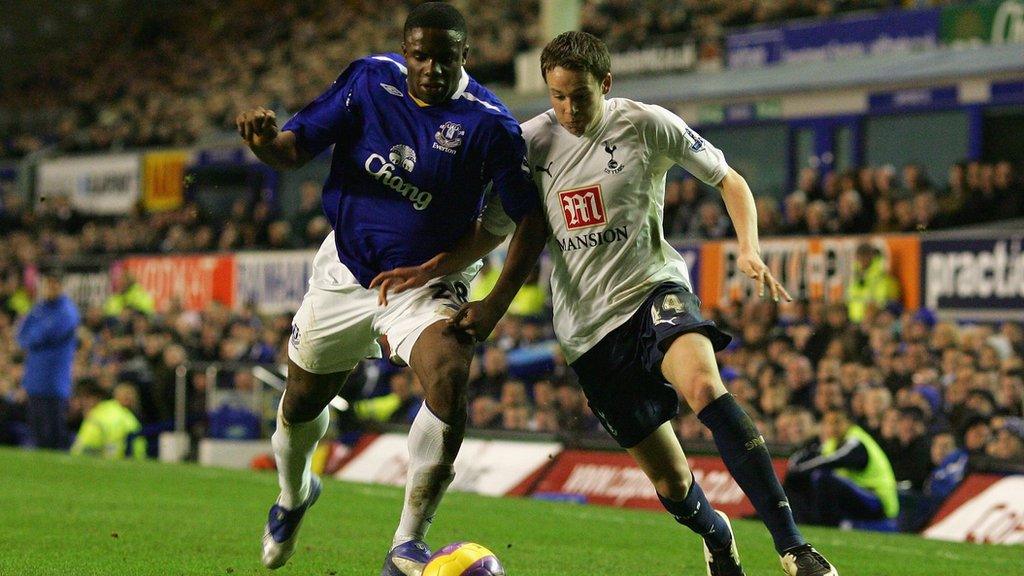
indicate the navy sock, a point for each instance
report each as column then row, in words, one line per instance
column 696, row 513
column 745, row 455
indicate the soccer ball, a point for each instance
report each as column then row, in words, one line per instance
column 463, row 559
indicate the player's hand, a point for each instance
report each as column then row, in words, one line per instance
column 258, row 126
column 477, row 319
column 753, row 267
column 399, row 280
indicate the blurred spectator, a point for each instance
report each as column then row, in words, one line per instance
column 909, row 451
column 712, row 223
column 484, row 412
column 529, row 301
column 309, row 206
column 851, row 478
column 871, row 284
column 128, row 293
column 47, row 335
column 1008, row 190
column 976, row 436
column 109, row 429
column 949, row 466
column 493, row 375
column 853, row 217
column 794, row 217
column 1008, row 444
column 399, row 406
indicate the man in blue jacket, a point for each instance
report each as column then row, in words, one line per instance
column 47, row 335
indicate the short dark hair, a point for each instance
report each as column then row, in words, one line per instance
column 437, row 15
column 89, row 388
column 578, row 51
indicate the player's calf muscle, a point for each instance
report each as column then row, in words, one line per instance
column 308, row 394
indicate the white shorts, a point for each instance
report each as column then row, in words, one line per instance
column 339, row 321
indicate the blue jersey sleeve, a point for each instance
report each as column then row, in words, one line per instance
column 323, row 121
column 510, row 171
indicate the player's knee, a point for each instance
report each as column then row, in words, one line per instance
column 296, row 408
column 450, row 408
column 300, row 402
column 702, row 385
column 674, row 485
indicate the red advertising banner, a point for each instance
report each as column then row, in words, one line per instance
column 195, row 281
column 985, row 509
column 613, row 479
column 814, row 268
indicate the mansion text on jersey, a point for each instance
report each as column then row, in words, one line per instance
column 592, row 239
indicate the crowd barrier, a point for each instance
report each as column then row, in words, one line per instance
column 975, row 275
column 985, row 509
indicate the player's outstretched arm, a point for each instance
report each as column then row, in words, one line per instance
column 277, row 149
column 479, row 318
column 739, row 201
column 468, row 249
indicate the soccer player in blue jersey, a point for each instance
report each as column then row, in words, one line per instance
column 417, row 146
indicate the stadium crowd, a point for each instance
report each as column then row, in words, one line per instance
column 868, row 200
column 871, row 199
column 907, row 378
column 122, row 82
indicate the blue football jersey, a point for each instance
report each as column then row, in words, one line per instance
column 406, row 180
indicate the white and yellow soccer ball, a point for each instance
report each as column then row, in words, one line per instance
column 463, row 559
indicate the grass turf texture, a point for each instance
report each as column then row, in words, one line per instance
column 76, row 516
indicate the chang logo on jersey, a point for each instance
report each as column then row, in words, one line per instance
column 582, row 207
column 448, row 137
column 383, row 171
column 404, row 156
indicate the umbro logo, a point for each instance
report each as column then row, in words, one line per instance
column 392, row 90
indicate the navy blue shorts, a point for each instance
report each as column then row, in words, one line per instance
column 621, row 374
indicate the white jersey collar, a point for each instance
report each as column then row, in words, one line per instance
column 463, row 84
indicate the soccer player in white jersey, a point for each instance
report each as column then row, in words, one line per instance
column 418, row 144
column 625, row 314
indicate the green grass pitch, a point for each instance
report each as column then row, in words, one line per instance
column 75, row 517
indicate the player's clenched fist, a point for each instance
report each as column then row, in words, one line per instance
column 258, row 126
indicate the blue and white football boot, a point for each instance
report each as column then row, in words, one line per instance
column 283, row 528
column 406, row 559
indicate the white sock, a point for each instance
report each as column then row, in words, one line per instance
column 430, row 472
column 294, row 445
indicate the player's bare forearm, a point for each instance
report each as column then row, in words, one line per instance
column 280, row 150
column 527, row 243
column 282, row 153
column 468, row 249
column 739, row 202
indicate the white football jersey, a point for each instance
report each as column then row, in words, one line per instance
column 604, row 194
